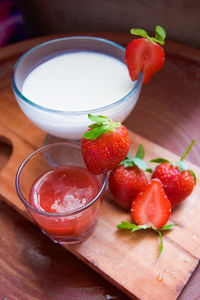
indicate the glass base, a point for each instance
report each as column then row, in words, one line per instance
column 63, row 240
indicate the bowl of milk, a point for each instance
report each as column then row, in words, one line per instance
column 58, row 83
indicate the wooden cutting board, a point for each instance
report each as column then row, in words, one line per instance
column 127, row 260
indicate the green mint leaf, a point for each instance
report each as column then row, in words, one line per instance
column 94, row 133
column 140, row 227
column 161, row 243
column 182, row 166
column 193, row 174
column 140, row 32
column 160, row 160
column 126, row 225
column 160, row 35
column 167, row 227
column 98, row 119
column 131, row 226
column 134, row 227
column 140, row 152
column 188, row 149
column 139, row 163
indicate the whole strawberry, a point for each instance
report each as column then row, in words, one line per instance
column 177, row 180
column 128, row 179
column 104, row 145
column 145, row 54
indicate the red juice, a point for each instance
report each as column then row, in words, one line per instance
column 62, row 190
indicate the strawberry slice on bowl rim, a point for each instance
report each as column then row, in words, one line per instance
column 145, row 54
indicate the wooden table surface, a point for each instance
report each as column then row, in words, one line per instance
column 168, row 113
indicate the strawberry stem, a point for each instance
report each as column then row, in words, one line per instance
column 188, row 150
column 161, row 243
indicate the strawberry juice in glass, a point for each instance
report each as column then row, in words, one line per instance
column 61, row 195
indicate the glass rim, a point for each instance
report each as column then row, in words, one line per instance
column 48, row 214
column 91, row 111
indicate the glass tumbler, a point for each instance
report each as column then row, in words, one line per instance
column 66, row 227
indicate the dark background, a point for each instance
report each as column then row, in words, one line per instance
column 180, row 18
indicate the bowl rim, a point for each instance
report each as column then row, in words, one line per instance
column 49, row 214
column 83, row 112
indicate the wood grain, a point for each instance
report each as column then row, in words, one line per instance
column 181, row 253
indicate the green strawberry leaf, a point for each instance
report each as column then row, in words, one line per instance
column 94, row 133
column 137, row 160
column 193, row 174
column 148, row 170
column 139, row 163
column 182, row 166
column 160, row 160
column 101, row 125
column 126, row 158
column 98, row 119
column 140, row 152
column 160, row 35
column 94, row 125
column 128, row 155
column 127, row 163
column 140, row 32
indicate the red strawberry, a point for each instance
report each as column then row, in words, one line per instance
column 104, row 145
column 145, row 54
column 151, row 207
column 128, row 179
column 177, row 180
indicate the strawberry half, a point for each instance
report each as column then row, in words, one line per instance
column 145, row 54
column 150, row 210
column 151, row 207
column 177, row 180
column 128, row 179
column 104, row 145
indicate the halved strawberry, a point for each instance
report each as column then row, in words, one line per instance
column 151, row 207
column 150, row 210
column 145, row 54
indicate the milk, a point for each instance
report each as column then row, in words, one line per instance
column 78, row 81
